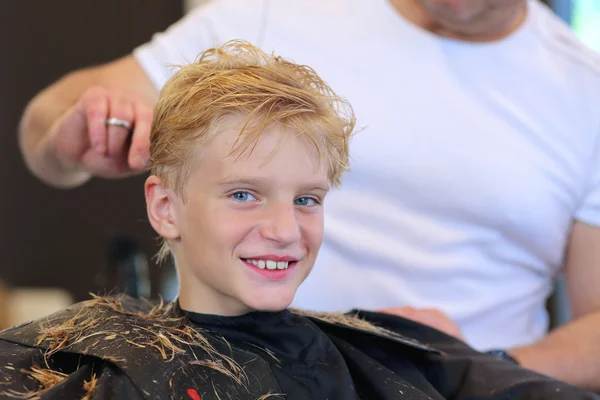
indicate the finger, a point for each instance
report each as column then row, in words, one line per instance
column 421, row 316
column 117, row 135
column 440, row 321
column 139, row 151
column 96, row 110
column 405, row 312
column 437, row 314
column 433, row 311
column 426, row 318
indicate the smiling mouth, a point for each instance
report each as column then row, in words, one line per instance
column 270, row 264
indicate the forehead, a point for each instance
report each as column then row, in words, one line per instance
column 277, row 152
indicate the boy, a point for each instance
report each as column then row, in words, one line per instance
column 244, row 149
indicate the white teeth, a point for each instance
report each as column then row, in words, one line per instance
column 271, row 264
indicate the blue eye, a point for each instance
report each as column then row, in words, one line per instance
column 305, row 201
column 243, row 196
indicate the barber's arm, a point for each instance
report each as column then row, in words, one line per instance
column 572, row 352
column 63, row 133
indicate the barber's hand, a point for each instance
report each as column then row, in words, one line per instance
column 428, row 316
column 85, row 143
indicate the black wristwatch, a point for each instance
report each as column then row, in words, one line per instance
column 502, row 355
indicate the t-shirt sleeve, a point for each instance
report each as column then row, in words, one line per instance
column 589, row 208
column 206, row 26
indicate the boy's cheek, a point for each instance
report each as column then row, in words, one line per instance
column 312, row 229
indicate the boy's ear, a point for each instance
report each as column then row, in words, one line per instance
column 159, row 205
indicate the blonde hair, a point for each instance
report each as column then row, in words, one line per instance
column 240, row 79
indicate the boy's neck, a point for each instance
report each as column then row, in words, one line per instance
column 204, row 301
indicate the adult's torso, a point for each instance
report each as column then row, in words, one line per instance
column 473, row 161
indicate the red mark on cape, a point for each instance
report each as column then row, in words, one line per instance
column 193, row 394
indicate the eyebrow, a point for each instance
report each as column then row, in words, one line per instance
column 246, row 181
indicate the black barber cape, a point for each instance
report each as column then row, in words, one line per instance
column 123, row 349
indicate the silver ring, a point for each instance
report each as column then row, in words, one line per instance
column 118, row 122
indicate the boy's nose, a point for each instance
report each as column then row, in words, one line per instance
column 282, row 225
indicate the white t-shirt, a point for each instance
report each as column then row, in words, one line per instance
column 473, row 163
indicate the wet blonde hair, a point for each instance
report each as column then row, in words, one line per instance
column 238, row 79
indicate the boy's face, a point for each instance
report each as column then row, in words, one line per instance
column 250, row 229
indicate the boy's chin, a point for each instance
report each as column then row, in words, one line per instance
column 274, row 303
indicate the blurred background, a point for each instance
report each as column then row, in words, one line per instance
column 58, row 246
